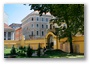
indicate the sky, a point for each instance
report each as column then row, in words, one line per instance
column 16, row 12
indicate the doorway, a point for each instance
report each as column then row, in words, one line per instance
column 50, row 42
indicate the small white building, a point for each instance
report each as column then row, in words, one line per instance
column 8, row 32
column 36, row 26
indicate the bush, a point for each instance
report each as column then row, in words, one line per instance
column 21, row 51
column 13, row 51
column 29, row 51
column 39, row 51
column 52, row 52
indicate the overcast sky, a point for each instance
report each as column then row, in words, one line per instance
column 16, row 12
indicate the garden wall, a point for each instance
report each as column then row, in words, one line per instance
column 62, row 44
column 78, row 44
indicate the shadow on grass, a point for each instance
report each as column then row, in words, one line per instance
column 51, row 54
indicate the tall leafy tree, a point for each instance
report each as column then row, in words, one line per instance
column 71, row 14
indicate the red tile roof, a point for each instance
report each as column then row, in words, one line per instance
column 6, row 26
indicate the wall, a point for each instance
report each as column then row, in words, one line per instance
column 78, row 44
column 62, row 44
column 10, row 43
column 18, row 34
column 33, row 43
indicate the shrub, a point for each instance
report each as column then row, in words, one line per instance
column 13, row 51
column 39, row 51
column 29, row 51
column 21, row 51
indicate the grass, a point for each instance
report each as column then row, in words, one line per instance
column 51, row 54
column 7, row 51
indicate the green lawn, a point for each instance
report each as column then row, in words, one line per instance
column 7, row 51
column 51, row 54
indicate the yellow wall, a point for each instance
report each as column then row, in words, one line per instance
column 62, row 44
column 33, row 43
column 78, row 44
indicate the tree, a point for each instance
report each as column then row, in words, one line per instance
column 13, row 51
column 39, row 50
column 29, row 51
column 71, row 14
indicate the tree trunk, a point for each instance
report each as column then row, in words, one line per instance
column 70, row 41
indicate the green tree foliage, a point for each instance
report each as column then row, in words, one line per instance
column 29, row 51
column 71, row 14
column 39, row 51
column 13, row 51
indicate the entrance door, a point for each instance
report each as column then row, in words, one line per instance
column 50, row 42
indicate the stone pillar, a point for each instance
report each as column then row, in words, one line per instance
column 6, row 35
column 12, row 35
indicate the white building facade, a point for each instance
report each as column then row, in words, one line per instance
column 36, row 26
column 8, row 31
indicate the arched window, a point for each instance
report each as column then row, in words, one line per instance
column 42, row 26
column 32, row 18
column 37, row 33
column 42, row 33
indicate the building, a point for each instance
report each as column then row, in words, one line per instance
column 36, row 26
column 8, row 32
column 15, row 25
column 18, row 33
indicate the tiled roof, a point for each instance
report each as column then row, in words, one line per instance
column 15, row 25
column 7, row 28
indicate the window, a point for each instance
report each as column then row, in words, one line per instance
column 42, row 26
column 46, row 26
column 32, row 19
column 50, row 26
column 42, row 33
column 37, row 18
column 42, row 19
column 37, row 33
column 9, row 35
column 32, row 33
column 47, row 19
column 37, row 25
column 4, row 35
column 32, row 25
